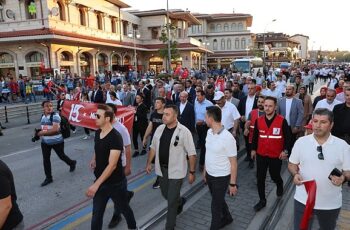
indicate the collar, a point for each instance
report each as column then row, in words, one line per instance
column 330, row 140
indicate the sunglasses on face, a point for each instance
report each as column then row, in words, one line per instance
column 320, row 155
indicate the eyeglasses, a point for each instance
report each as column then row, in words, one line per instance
column 320, row 155
column 98, row 116
column 176, row 140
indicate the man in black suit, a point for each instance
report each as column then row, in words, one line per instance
column 190, row 90
column 142, row 89
column 177, row 90
column 186, row 112
column 245, row 106
column 97, row 94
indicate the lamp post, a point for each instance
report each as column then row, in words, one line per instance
column 206, row 44
column 134, row 35
column 264, row 56
column 247, row 49
column 168, row 34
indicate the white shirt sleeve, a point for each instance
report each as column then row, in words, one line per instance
column 295, row 155
column 231, row 146
column 235, row 113
column 346, row 158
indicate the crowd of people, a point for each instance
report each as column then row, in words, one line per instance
column 177, row 114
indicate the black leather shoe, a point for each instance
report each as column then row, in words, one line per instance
column 1, row 134
column 279, row 191
column 72, row 166
column 114, row 221
column 260, row 205
column 136, row 153
column 143, row 152
column 46, row 182
column 130, row 195
column 226, row 221
column 181, row 205
column 3, row 127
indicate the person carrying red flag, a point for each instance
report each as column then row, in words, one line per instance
column 321, row 162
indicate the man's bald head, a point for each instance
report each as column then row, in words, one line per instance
column 183, row 96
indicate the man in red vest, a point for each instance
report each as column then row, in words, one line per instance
column 250, row 123
column 270, row 145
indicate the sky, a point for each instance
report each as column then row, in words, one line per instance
column 325, row 22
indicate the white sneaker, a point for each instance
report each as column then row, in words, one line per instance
column 74, row 131
column 86, row 137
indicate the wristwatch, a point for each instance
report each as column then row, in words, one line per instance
column 234, row 185
column 192, row 172
column 286, row 151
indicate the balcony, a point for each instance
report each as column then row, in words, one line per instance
column 32, row 24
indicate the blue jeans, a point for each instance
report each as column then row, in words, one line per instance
column 118, row 193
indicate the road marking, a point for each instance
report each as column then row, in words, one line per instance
column 85, row 214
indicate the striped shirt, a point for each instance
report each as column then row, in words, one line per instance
column 46, row 124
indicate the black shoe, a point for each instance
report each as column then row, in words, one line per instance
column 181, row 206
column 46, row 182
column 114, row 221
column 156, row 184
column 226, row 221
column 251, row 164
column 136, row 153
column 279, row 191
column 349, row 183
column 247, row 158
column 1, row 134
column 143, row 152
column 130, row 195
column 72, row 166
column 260, row 205
column 3, row 127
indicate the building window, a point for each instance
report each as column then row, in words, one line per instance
column 240, row 26
column 61, row 10
column 212, row 27
column 218, row 28
column 113, row 25
column 34, row 57
column 1, row 12
column 6, row 58
column 215, row 44
column 236, row 43
column 82, row 16
column 155, row 33
column 233, row 27
column 99, row 21
column 125, row 28
column 243, row 43
column 222, row 44
column 200, row 29
column 229, row 46
column 31, row 9
column 66, row 56
column 226, row 28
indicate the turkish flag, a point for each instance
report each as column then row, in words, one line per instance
column 310, row 187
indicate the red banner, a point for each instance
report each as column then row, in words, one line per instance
column 310, row 187
column 83, row 114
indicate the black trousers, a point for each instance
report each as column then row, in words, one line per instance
column 327, row 219
column 138, row 129
column 202, row 135
column 118, row 193
column 274, row 166
column 219, row 209
column 46, row 151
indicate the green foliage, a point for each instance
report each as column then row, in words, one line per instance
column 163, row 52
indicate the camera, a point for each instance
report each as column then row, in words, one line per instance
column 36, row 137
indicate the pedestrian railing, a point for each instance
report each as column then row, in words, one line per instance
column 29, row 111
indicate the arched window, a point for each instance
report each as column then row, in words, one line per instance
column 6, row 58
column 113, row 24
column 243, row 43
column 99, row 21
column 229, row 46
column 34, row 57
column 233, row 27
column 226, row 28
column 218, row 28
column 215, row 44
column 62, row 12
column 66, row 56
column 31, row 9
column 1, row 12
column 82, row 17
column 240, row 26
column 236, row 43
column 223, row 44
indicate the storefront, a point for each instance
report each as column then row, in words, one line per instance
column 156, row 63
column 34, row 61
column 102, row 62
column 7, row 65
column 85, row 63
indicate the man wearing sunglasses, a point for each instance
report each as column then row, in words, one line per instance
column 171, row 145
column 317, row 157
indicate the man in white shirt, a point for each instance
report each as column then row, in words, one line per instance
column 273, row 92
column 313, row 158
column 220, row 167
column 281, row 85
column 332, row 82
column 329, row 102
column 230, row 114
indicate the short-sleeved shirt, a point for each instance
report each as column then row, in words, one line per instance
column 336, row 155
column 7, row 188
column 112, row 141
column 229, row 115
column 126, row 138
column 156, row 119
column 219, row 147
column 46, row 125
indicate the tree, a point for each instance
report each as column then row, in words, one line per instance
column 163, row 52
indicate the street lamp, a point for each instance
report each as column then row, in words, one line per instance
column 168, row 34
column 134, row 35
column 264, row 56
column 247, row 49
column 206, row 44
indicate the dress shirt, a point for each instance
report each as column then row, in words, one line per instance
column 200, row 109
column 324, row 104
column 182, row 106
column 229, row 115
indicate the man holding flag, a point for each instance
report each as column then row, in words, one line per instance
column 320, row 164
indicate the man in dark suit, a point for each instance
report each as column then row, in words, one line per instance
column 190, row 90
column 186, row 112
column 245, row 106
column 176, row 96
column 97, row 94
column 146, row 92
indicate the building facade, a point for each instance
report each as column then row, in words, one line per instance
column 304, row 46
column 82, row 37
column 227, row 35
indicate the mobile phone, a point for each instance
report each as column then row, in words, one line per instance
column 335, row 172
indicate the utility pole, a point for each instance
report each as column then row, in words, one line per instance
column 168, row 34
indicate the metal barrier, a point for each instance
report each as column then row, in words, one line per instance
column 10, row 112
